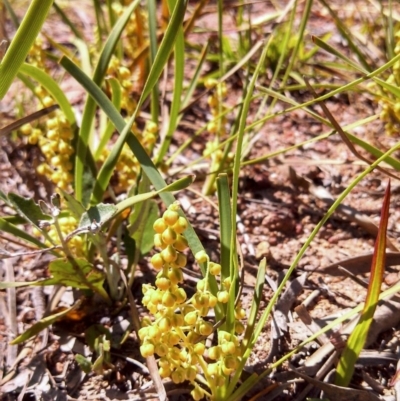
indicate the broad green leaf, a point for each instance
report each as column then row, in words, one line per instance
column 65, row 273
column 100, row 214
column 22, row 42
column 27, row 208
column 74, row 206
column 42, row 324
column 356, row 341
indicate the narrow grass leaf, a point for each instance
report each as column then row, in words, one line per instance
column 22, row 42
column 42, row 324
column 356, row 341
column 52, row 87
column 6, row 226
column 67, row 21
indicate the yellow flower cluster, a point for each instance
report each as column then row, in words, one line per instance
column 54, row 140
column 177, row 334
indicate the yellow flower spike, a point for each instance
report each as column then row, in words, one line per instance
column 157, row 261
column 169, row 236
column 191, row 318
column 147, row 350
column 169, row 254
column 180, row 243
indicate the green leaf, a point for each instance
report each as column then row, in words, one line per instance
column 84, row 363
column 52, row 87
column 64, row 273
column 42, row 324
column 73, row 205
column 356, row 341
column 99, row 214
column 27, row 208
column 22, row 42
column 10, row 228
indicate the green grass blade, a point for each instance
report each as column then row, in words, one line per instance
column 347, row 35
column 179, row 65
column 116, row 101
column 10, row 228
column 67, row 21
column 52, row 87
column 13, row 16
column 152, row 21
column 22, row 42
column 356, row 341
column 90, row 107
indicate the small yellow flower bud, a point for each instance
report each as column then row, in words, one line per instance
column 201, row 285
column 157, row 261
column 178, row 375
column 213, row 369
column 191, row 318
column 175, row 275
column 191, row 373
column 165, row 324
column 214, row 353
column 201, row 256
column 168, row 236
column 161, row 349
column 180, row 261
column 158, row 242
column 169, row 254
column 165, row 372
column 199, row 348
column 168, row 299
column 180, row 295
column 228, row 348
column 170, row 217
column 223, row 297
column 162, row 283
column 180, row 243
column 205, row 328
column 147, row 350
column 212, row 301
column 215, row 268
column 143, row 332
column 159, row 226
column 181, row 225
column 239, row 328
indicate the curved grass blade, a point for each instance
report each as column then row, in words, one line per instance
column 22, row 42
column 179, row 63
column 52, row 87
column 356, row 341
column 90, row 106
